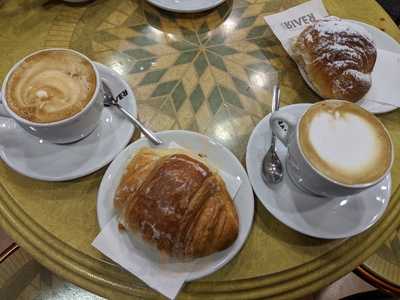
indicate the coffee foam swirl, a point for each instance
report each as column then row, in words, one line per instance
column 345, row 143
column 51, row 86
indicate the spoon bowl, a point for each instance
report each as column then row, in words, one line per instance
column 272, row 167
column 272, row 170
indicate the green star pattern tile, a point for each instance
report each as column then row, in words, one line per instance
column 187, row 70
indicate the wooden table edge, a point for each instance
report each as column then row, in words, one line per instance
column 106, row 279
column 376, row 280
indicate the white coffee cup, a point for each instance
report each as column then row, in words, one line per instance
column 301, row 171
column 64, row 131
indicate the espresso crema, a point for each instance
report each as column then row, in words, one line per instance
column 345, row 142
column 51, row 86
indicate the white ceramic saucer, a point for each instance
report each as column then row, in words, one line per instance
column 186, row 6
column 220, row 157
column 382, row 41
column 41, row 160
column 328, row 218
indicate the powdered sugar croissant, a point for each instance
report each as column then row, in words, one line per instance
column 337, row 56
column 177, row 202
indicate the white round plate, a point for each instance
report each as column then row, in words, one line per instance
column 41, row 160
column 186, row 6
column 382, row 41
column 327, row 218
column 220, row 157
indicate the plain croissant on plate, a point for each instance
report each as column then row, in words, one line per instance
column 177, row 202
column 337, row 56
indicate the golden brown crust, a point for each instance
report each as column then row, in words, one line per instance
column 135, row 173
column 337, row 57
column 176, row 202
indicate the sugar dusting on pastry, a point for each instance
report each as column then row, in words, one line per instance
column 337, row 57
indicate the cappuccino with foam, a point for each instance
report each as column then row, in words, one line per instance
column 51, row 86
column 344, row 142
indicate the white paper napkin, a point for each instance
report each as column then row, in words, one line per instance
column 288, row 24
column 161, row 273
column 385, row 86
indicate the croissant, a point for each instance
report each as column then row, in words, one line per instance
column 177, row 202
column 337, row 57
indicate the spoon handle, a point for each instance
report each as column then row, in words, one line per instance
column 275, row 97
column 276, row 92
column 147, row 132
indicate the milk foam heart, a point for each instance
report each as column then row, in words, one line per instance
column 350, row 145
column 345, row 143
column 51, row 86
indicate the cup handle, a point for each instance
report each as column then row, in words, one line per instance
column 3, row 112
column 283, row 125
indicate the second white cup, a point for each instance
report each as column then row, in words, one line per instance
column 335, row 151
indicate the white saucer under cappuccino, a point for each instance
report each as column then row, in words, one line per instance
column 328, row 217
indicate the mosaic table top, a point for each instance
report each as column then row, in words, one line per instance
column 211, row 72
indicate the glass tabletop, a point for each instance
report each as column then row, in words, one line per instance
column 209, row 72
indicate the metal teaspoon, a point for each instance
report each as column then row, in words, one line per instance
column 271, row 170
